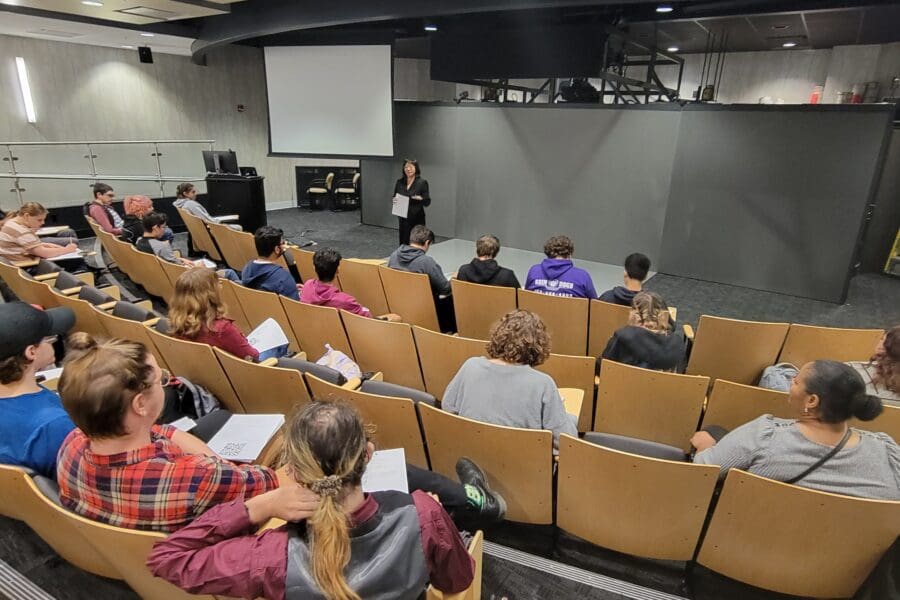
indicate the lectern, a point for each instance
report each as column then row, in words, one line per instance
column 237, row 195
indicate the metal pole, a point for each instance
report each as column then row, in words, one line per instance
column 157, row 154
column 12, row 170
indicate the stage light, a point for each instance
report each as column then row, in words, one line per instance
column 431, row 28
column 789, row 44
column 664, row 8
column 672, row 49
column 26, row 90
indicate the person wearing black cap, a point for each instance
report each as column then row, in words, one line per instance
column 33, row 423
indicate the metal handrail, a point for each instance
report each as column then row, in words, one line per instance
column 108, row 142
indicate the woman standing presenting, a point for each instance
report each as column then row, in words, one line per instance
column 413, row 185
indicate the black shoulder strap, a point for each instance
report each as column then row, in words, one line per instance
column 824, row 459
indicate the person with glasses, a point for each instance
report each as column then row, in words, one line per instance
column 120, row 467
column 264, row 273
column 33, row 423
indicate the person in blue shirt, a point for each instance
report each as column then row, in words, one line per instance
column 33, row 423
column 264, row 273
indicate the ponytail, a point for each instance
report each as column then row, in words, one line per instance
column 330, row 549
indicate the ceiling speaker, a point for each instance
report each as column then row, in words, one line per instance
column 145, row 54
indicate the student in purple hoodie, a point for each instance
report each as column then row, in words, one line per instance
column 636, row 268
column 322, row 291
column 556, row 275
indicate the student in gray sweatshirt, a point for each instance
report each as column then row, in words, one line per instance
column 504, row 388
column 186, row 199
column 413, row 258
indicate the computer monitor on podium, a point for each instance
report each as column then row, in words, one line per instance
column 221, row 161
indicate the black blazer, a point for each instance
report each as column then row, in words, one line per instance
column 419, row 187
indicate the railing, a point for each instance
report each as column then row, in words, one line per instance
column 150, row 167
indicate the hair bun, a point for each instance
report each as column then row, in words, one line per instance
column 80, row 341
column 867, row 407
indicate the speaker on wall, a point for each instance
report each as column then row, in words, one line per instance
column 145, row 54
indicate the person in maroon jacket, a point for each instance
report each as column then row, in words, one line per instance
column 197, row 314
column 101, row 210
column 339, row 541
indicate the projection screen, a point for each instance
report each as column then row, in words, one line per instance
column 330, row 100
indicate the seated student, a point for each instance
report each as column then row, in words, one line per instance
column 484, row 268
column 556, row 275
column 322, row 292
column 648, row 340
column 197, row 314
column 120, row 468
column 19, row 240
column 151, row 241
column 136, row 207
column 339, row 541
column 881, row 373
column 504, row 388
column 825, row 395
column 33, row 423
column 636, row 268
column 186, row 199
column 264, row 273
column 412, row 257
column 101, row 211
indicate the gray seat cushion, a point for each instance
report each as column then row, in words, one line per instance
column 93, row 295
column 48, row 488
column 635, row 446
column 382, row 388
column 47, row 266
column 65, row 280
column 162, row 326
column 132, row 312
column 324, row 373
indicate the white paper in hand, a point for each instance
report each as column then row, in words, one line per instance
column 203, row 262
column 401, row 205
column 243, row 437
column 68, row 256
column 386, row 471
column 267, row 336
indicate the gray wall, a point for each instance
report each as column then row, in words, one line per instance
column 771, row 198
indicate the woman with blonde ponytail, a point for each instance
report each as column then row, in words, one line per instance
column 648, row 340
column 333, row 546
column 19, row 240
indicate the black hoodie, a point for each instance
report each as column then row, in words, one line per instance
column 618, row 295
column 639, row 347
column 487, row 272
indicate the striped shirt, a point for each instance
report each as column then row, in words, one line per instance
column 17, row 240
column 158, row 487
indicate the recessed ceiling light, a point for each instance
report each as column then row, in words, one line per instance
column 789, row 44
column 128, row 47
column 91, row 3
column 672, row 49
column 431, row 28
column 664, row 8
column 148, row 34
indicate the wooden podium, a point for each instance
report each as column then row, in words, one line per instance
column 237, row 195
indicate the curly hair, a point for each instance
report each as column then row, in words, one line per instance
column 138, row 205
column 559, row 246
column 521, row 338
column 649, row 310
column 196, row 302
column 887, row 361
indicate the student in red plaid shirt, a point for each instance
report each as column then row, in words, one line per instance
column 120, row 468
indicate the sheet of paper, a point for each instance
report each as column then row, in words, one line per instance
column 49, row 374
column 184, row 424
column 243, row 437
column 386, row 471
column 401, row 205
column 205, row 262
column 69, row 256
column 229, row 218
column 267, row 336
column 50, row 230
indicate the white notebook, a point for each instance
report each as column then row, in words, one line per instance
column 267, row 336
column 386, row 471
column 243, row 437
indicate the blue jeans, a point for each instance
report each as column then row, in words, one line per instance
column 229, row 274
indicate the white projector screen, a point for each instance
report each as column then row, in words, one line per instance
column 330, row 100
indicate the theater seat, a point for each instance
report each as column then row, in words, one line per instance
column 383, row 388
column 328, row 374
column 132, row 312
column 635, row 446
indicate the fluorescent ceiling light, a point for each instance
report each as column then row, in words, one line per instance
column 672, row 49
column 431, row 28
column 664, row 8
column 129, row 47
column 91, row 3
column 26, row 90
column 789, row 44
column 148, row 34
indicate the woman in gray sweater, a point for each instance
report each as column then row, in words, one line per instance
column 504, row 388
column 825, row 395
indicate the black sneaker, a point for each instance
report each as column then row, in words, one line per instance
column 489, row 504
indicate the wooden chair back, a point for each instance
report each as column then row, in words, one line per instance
column 517, row 462
column 409, row 295
column 566, row 320
column 650, row 405
column 575, row 372
column 304, row 261
column 259, row 305
column 198, row 363
column 887, row 422
column 262, row 389
column 245, row 245
column 149, row 273
column 134, row 331
column 633, row 504
column 441, row 356
column 396, row 419
column 805, row 343
column 760, row 527
column 200, row 234
column 232, row 253
column 478, row 307
column 315, row 326
column 361, row 280
column 21, row 499
column 115, row 248
column 735, row 350
column 87, row 317
column 605, row 319
column 27, row 289
column 732, row 404
column 233, row 309
column 386, row 347
column 173, row 271
column 473, row 592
